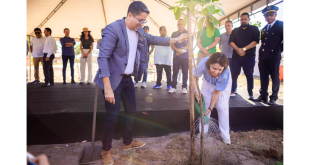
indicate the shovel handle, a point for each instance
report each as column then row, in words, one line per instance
column 94, row 124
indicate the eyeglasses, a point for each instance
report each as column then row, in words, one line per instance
column 37, row 33
column 140, row 22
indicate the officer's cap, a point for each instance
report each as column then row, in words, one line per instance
column 270, row 9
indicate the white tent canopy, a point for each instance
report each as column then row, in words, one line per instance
column 96, row 14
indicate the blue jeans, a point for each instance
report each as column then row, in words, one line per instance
column 125, row 92
column 247, row 65
column 230, row 66
column 64, row 66
column 145, row 71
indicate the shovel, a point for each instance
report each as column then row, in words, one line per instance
column 91, row 153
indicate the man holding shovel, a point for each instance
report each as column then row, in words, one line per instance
column 124, row 54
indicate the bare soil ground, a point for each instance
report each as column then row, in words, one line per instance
column 253, row 148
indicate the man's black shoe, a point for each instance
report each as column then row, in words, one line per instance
column 88, row 83
column 272, row 102
column 252, row 98
column 73, row 82
column 261, row 99
column 64, row 82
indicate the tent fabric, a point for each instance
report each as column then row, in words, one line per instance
column 77, row 14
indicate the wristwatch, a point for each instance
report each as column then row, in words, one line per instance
column 244, row 49
column 207, row 48
column 176, row 39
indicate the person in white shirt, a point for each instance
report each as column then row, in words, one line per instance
column 49, row 50
column 36, row 49
column 163, row 60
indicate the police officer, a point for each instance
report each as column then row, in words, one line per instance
column 270, row 55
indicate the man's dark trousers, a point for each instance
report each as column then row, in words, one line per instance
column 266, row 68
column 159, row 69
column 125, row 92
column 177, row 62
column 230, row 66
column 64, row 64
column 247, row 65
column 48, row 69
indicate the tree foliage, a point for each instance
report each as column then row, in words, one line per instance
column 201, row 10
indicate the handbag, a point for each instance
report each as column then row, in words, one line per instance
column 197, row 113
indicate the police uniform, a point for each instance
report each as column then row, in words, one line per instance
column 270, row 57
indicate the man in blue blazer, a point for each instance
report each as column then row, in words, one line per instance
column 123, row 53
column 270, row 55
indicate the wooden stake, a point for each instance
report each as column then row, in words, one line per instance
column 191, row 91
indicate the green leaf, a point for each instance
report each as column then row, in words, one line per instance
column 177, row 14
column 222, row 11
column 176, row 9
column 183, row 8
column 217, row 11
column 210, row 29
column 171, row 8
column 211, row 9
column 190, row 5
column 215, row 21
column 205, row 11
column 200, row 23
column 217, row 4
column 214, row 0
column 207, row 1
column 219, row 14
column 185, row 21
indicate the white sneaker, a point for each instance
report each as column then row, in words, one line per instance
column 143, row 85
column 226, row 141
column 232, row 94
column 184, row 90
column 135, row 85
column 172, row 90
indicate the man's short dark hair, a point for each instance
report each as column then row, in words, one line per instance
column 137, row 7
column 245, row 14
column 229, row 22
column 161, row 28
column 66, row 29
column 49, row 30
column 37, row 29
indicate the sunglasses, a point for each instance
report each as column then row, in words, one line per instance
column 37, row 32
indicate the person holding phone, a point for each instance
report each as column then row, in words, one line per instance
column 180, row 58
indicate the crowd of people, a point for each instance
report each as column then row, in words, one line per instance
column 124, row 53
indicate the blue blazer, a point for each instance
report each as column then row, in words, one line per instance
column 114, row 52
column 272, row 42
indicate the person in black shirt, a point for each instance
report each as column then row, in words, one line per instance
column 244, row 40
column 86, row 47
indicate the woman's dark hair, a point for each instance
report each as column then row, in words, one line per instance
column 89, row 36
column 219, row 58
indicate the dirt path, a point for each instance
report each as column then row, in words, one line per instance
column 174, row 149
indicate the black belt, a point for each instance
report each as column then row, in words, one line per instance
column 126, row 75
